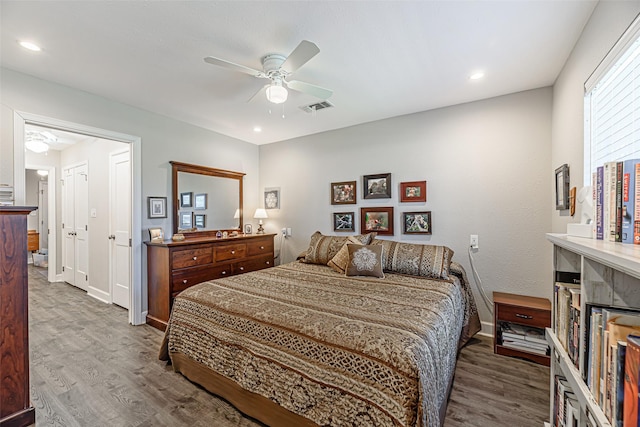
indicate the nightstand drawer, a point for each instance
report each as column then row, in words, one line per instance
column 523, row 315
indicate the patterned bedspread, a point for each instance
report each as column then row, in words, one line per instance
column 337, row 350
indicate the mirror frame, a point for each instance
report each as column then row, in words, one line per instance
column 202, row 170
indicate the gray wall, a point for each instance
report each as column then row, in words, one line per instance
column 486, row 167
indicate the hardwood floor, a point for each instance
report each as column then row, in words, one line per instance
column 90, row 368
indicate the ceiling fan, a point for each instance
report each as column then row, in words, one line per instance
column 278, row 69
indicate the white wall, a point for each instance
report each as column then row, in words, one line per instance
column 607, row 23
column 486, row 167
column 163, row 139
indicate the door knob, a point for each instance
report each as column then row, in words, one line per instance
column 112, row 237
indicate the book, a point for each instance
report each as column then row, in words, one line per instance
column 619, row 404
column 527, row 333
column 610, row 201
column 574, row 327
column 619, row 326
column 628, row 199
column 631, row 367
column 618, row 211
column 599, row 215
column 636, row 208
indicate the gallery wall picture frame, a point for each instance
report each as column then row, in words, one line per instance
column 186, row 220
column 344, row 193
column 156, row 207
column 272, row 198
column 416, row 222
column 199, row 220
column 200, row 201
column 377, row 186
column 248, row 229
column 377, row 219
column 413, row 191
column 186, row 199
column 344, row 221
column 562, row 187
column 156, row 234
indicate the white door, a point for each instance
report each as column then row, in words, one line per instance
column 75, row 223
column 43, row 208
column 120, row 227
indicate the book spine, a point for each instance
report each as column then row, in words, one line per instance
column 628, row 200
column 618, row 211
column 622, row 351
column 631, row 364
column 599, row 203
column 636, row 207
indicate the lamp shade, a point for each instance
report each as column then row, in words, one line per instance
column 260, row 214
column 277, row 94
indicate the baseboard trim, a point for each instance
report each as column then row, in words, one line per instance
column 99, row 295
column 487, row 329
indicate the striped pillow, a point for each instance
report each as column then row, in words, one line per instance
column 323, row 248
column 415, row 259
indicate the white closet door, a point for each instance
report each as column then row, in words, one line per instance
column 81, row 195
column 68, row 227
column 120, row 223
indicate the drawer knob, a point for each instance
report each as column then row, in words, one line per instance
column 233, row 252
column 224, row 272
column 195, row 258
column 241, row 268
column 523, row 316
column 261, row 247
column 184, row 281
column 268, row 263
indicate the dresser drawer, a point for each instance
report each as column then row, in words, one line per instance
column 523, row 315
column 185, row 279
column 230, row 252
column 253, row 264
column 260, row 248
column 192, row 257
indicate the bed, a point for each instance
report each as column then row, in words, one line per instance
column 303, row 344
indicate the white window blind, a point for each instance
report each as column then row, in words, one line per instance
column 612, row 106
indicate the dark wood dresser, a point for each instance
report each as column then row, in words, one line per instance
column 15, row 404
column 173, row 267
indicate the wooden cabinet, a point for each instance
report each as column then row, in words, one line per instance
column 173, row 267
column 15, row 406
column 609, row 277
column 531, row 313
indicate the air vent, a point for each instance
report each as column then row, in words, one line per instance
column 316, row 107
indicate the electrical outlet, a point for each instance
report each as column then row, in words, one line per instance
column 288, row 231
column 473, row 241
column 284, row 232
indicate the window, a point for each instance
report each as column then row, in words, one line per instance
column 612, row 105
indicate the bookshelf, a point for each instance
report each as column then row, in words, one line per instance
column 610, row 277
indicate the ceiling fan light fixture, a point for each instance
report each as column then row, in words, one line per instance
column 36, row 146
column 277, row 94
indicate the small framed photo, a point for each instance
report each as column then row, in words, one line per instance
column 343, row 221
column 416, row 222
column 248, row 229
column 562, row 187
column 379, row 220
column 272, row 198
column 199, row 220
column 186, row 200
column 200, row 201
column 157, row 207
column 413, row 191
column 377, row 186
column 186, row 220
column 343, row 193
column 156, row 234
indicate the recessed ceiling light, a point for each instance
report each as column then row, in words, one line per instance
column 476, row 76
column 31, row 46
column 257, row 129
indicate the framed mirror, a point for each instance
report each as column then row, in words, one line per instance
column 205, row 200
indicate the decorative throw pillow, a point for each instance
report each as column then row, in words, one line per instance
column 340, row 261
column 322, row 248
column 365, row 260
column 414, row 259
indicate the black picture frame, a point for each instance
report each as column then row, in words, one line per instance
column 156, row 207
column 562, row 187
column 377, row 186
column 416, row 222
column 344, row 221
column 199, row 220
column 186, row 199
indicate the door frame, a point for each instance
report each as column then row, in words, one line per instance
column 21, row 118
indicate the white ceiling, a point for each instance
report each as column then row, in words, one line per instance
column 381, row 58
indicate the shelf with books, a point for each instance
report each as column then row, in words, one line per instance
column 591, row 324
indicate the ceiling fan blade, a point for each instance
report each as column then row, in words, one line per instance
column 233, row 66
column 255, row 95
column 308, row 88
column 300, row 56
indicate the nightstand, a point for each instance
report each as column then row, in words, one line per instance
column 519, row 326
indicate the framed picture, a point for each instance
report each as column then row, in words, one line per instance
column 343, row 221
column 248, row 229
column 562, row 187
column 199, row 220
column 156, row 234
column 186, row 200
column 186, row 220
column 379, row 220
column 200, row 201
column 413, row 191
column 272, row 198
column 343, row 193
column 416, row 222
column 157, row 207
column 377, row 186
